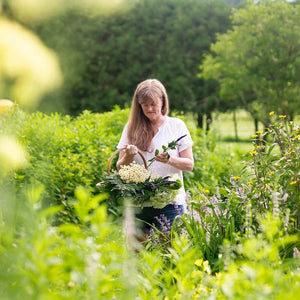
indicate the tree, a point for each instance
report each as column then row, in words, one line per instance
column 29, row 69
column 257, row 63
column 162, row 39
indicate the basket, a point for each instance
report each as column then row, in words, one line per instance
column 119, row 150
column 157, row 193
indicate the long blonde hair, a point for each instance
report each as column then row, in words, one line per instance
column 139, row 129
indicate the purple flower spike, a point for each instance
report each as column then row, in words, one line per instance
column 181, row 138
column 170, row 182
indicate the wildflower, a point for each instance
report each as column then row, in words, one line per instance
column 288, row 153
column 282, row 116
column 266, row 187
column 206, row 191
column 134, row 173
column 171, row 145
column 296, row 252
column 296, row 137
column 134, row 181
column 293, row 182
column 236, row 177
column 250, row 182
column 253, row 152
column 202, row 289
column 244, row 188
column 64, row 212
column 71, row 284
column 206, row 267
column 271, row 173
column 199, row 262
column 181, row 138
column 196, row 274
column 254, row 135
column 259, row 132
column 271, row 113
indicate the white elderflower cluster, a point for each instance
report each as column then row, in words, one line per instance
column 134, row 173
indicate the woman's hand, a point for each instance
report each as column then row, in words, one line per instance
column 184, row 162
column 131, row 150
column 126, row 156
column 163, row 157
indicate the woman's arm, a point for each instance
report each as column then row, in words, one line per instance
column 184, row 162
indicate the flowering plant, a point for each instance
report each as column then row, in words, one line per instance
column 135, row 182
column 171, row 145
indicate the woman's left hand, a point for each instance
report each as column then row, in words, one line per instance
column 163, row 157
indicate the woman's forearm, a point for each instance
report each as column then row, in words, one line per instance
column 181, row 163
column 126, row 156
column 124, row 159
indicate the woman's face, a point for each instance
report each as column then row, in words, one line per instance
column 152, row 109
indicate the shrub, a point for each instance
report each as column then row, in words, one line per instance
column 65, row 152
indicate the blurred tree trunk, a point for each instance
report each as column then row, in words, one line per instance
column 208, row 120
column 200, row 120
column 235, row 126
column 256, row 124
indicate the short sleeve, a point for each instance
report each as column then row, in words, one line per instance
column 123, row 140
column 186, row 141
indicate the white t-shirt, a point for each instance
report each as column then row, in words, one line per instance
column 171, row 129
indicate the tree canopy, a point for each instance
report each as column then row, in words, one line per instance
column 106, row 58
column 257, row 63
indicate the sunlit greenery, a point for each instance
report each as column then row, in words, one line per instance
column 238, row 239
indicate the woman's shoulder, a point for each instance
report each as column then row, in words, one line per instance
column 175, row 121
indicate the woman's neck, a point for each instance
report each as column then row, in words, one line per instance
column 157, row 124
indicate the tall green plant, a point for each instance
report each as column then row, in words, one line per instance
column 274, row 164
column 64, row 152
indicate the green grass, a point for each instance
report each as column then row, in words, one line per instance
column 224, row 124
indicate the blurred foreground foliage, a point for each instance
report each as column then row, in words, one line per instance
column 239, row 239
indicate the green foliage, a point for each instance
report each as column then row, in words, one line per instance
column 239, row 241
column 213, row 162
column 65, row 152
column 171, row 145
column 259, row 271
column 257, row 62
column 269, row 183
column 39, row 261
column 157, row 192
column 103, row 59
column 275, row 171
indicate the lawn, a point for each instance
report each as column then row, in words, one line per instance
column 223, row 123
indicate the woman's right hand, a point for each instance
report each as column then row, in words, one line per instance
column 126, row 156
column 131, row 150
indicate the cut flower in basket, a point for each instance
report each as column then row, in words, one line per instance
column 136, row 182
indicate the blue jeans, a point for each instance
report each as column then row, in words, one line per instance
column 161, row 218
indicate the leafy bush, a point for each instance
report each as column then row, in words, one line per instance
column 230, row 246
column 65, row 152
column 39, row 261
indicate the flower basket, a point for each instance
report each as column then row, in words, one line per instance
column 137, row 184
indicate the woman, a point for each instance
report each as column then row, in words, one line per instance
column 148, row 129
